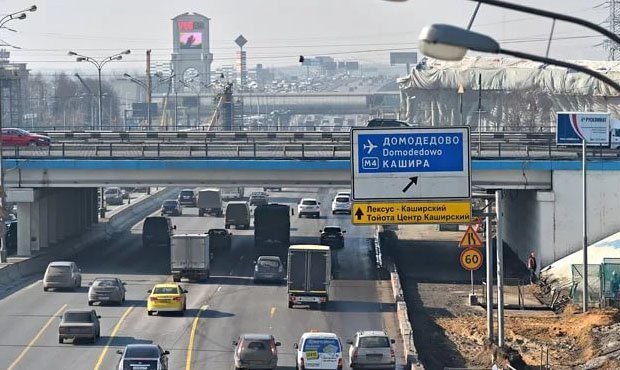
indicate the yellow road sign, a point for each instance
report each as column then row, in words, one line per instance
column 393, row 213
column 471, row 259
column 470, row 239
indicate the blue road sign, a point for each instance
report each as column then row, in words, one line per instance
column 410, row 163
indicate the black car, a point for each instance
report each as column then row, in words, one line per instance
column 332, row 236
column 187, row 198
column 219, row 240
column 382, row 122
column 156, row 232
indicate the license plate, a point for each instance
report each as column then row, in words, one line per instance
column 308, row 299
column 104, row 298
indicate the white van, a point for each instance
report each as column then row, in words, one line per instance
column 317, row 350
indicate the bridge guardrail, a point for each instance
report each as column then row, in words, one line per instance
column 265, row 150
column 251, row 136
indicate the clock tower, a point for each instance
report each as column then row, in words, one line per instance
column 191, row 56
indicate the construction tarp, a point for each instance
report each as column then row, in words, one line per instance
column 515, row 95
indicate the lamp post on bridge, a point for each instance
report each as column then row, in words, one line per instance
column 19, row 15
column 99, row 64
column 148, row 91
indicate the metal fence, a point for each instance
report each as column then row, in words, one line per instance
column 595, row 287
column 513, row 293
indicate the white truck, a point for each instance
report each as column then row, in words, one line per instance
column 190, row 257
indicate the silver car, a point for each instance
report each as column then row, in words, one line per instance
column 371, row 350
column 106, row 290
column 256, row 351
column 268, row 268
column 79, row 324
column 62, row 274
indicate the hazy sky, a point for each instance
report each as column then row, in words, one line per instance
column 278, row 30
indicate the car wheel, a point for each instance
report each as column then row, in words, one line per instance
column 150, row 313
column 176, row 279
column 45, row 289
column 227, row 226
column 90, row 303
column 333, row 212
column 61, row 340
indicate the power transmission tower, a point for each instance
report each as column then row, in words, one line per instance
column 613, row 23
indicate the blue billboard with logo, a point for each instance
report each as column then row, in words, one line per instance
column 572, row 127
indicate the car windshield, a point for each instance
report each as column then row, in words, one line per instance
column 187, row 193
column 332, row 229
column 255, row 345
column 322, row 345
column 166, row 290
column 342, row 200
column 112, row 191
column 141, row 352
column 374, row 342
column 269, row 263
column 76, row 317
column 170, row 203
column 309, row 202
column 105, row 283
column 59, row 269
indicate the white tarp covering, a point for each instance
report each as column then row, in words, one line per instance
column 517, row 95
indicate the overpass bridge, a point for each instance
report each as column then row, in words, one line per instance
column 328, row 103
column 541, row 183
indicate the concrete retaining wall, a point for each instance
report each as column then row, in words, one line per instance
column 121, row 220
column 404, row 325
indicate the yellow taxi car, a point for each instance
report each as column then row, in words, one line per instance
column 168, row 297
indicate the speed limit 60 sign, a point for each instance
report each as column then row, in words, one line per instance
column 471, row 259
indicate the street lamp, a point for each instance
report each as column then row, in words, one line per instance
column 452, row 43
column 197, row 91
column 99, row 63
column 446, row 42
column 148, row 93
column 19, row 15
column 171, row 84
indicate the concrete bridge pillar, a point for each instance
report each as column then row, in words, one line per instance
column 23, row 229
column 43, row 221
column 52, row 223
column 35, row 226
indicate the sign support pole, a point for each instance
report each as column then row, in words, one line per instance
column 489, row 252
column 500, row 270
column 585, row 225
column 471, row 276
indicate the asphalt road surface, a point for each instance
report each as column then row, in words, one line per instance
column 218, row 311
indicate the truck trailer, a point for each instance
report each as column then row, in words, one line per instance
column 190, row 257
column 272, row 225
column 309, row 275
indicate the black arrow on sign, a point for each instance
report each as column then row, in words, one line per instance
column 359, row 213
column 414, row 180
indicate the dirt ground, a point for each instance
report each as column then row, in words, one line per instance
column 572, row 338
column 449, row 333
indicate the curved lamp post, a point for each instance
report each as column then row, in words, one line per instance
column 99, row 63
column 19, row 15
column 148, row 92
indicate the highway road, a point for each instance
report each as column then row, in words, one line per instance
column 219, row 310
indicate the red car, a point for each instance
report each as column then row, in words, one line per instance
column 19, row 137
